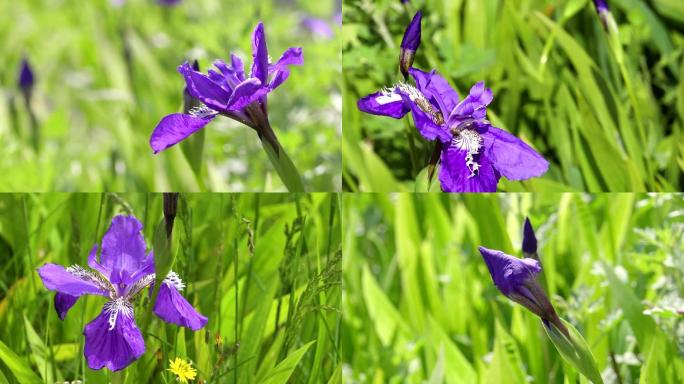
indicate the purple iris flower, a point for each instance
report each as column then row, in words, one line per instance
column 26, row 77
column 474, row 154
column 124, row 271
column 517, row 279
column 229, row 92
column 603, row 12
column 409, row 44
column 318, row 27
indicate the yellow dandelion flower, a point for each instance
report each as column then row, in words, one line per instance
column 183, row 370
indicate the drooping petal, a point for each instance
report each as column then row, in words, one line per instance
column 509, row 273
column 123, row 250
column 384, row 104
column 64, row 302
column 259, row 54
column 56, row 278
column 279, row 72
column 172, row 307
column 246, row 92
column 529, row 243
column 174, row 128
column 424, row 122
column 436, row 89
column 114, row 348
column 203, row 88
column 454, row 175
column 511, row 156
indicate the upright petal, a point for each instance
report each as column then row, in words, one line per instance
column 64, row 302
column 384, row 104
column 279, row 72
column 56, row 278
column 454, row 175
column 174, row 128
column 123, row 249
column 114, row 348
column 474, row 106
column 246, row 92
column 511, row 156
column 172, row 307
column 436, row 89
column 238, row 67
column 259, row 54
column 203, row 88
column 509, row 273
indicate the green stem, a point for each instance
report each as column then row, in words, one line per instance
column 281, row 161
column 118, row 377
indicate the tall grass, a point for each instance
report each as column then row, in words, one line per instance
column 607, row 117
column 264, row 268
column 106, row 75
column 420, row 307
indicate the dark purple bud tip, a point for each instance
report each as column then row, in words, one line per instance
column 411, row 39
column 26, row 77
column 601, row 6
column 529, row 243
column 170, row 206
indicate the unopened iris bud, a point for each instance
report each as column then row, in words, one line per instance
column 529, row 243
column 517, row 279
column 26, row 78
column 170, row 206
column 603, row 12
column 410, row 44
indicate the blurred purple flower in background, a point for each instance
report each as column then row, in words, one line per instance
column 26, row 78
column 124, row 270
column 318, row 27
column 474, row 154
column 230, row 93
column 409, row 44
column 603, row 12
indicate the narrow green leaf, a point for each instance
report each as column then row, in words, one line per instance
column 281, row 373
column 574, row 350
column 19, row 368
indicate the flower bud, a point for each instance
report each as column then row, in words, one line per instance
column 26, row 78
column 529, row 243
column 410, row 44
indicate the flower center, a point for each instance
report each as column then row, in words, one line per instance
column 470, row 141
column 94, row 277
column 202, row 112
column 417, row 97
column 173, row 279
column 113, row 308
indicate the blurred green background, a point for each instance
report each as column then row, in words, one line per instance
column 264, row 268
column 420, row 307
column 106, row 75
column 608, row 117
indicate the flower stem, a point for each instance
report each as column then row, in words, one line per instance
column 281, row 161
column 118, row 377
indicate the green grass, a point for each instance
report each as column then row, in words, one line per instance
column 608, row 117
column 420, row 307
column 264, row 268
column 107, row 75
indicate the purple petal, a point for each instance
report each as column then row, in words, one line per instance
column 123, row 250
column 425, row 123
column 26, row 78
column 56, row 278
column 172, row 307
column 204, row 89
column 511, row 156
column 454, row 175
column 64, row 302
column 436, row 89
column 92, row 262
column 384, row 104
column 318, row 27
column 116, row 348
column 238, row 67
column 174, row 128
column 474, row 106
column 280, row 71
column 508, row 272
column 529, row 244
column 259, row 54
column 246, row 92
column 411, row 39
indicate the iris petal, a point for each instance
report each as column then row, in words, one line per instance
column 116, row 348
column 511, row 156
column 172, row 307
column 174, row 128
